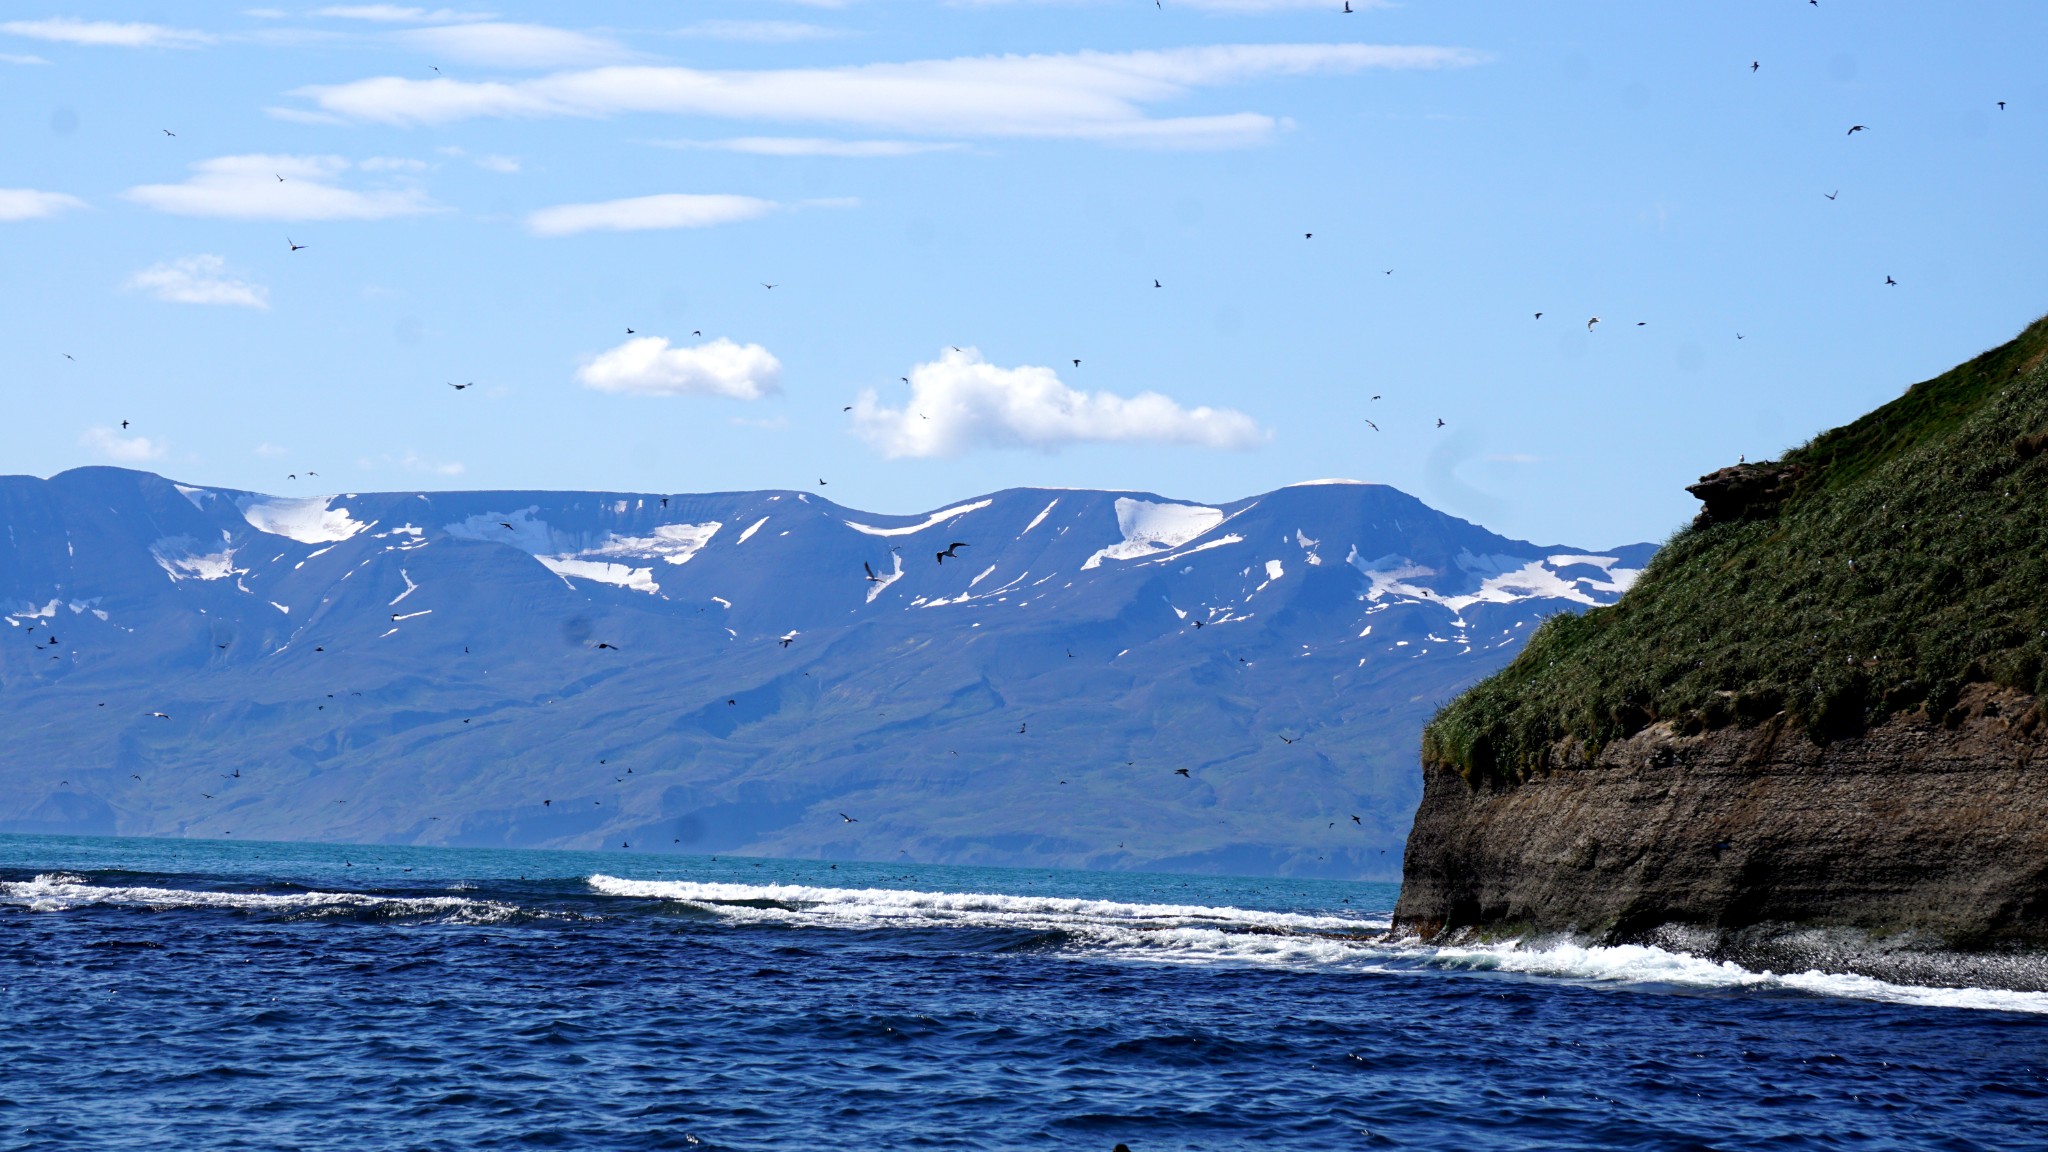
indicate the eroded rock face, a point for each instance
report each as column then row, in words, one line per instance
column 1743, row 491
column 1923, row 835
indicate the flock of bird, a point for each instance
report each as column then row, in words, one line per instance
column 48, row 641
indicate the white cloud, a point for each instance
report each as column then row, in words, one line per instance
column 29, row 204
column 813, row 146
column 760, row 31
column 397, row 14
column 199, row 279
column 13, row 58
column 105, row 33
column 270, row 450
column 505, row 165
column 959, row 402
column 1084, row 95
column 126, row 449
column 513, row 45
column 249, row 188
column 647, row 366
column 410, row 462
column 640, row 213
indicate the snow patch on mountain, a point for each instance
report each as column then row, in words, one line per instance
column 1151, row 528
column 875, row 589
column 309, row 521
column 751, row 529
column 674, row 543
column 604, row 572
column 936, row 518
column 1040, row 518
column 180, row 559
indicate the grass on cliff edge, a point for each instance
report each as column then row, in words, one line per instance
column 1912, row 559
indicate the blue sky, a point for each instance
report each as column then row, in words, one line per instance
column 1007, row 179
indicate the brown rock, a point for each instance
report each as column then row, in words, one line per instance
column 1743, row 491
column 1916, row 851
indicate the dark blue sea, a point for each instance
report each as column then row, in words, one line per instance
column 202, row 995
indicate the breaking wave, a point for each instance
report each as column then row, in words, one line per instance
column 62, row 891
column 1201, row 934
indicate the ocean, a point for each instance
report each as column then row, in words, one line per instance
column 181, row 994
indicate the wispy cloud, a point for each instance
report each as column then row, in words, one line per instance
column 265, row 187
column 29, row 204
column 813, row 146
column 105, row 33
column 13, row 58
column 399, row 14
column 272, row 451
column 760, row 31
column 643, row 213
column 959, row 402
column 514, row 45
column 1084, row 95
column 201, row 279
column 410, row 461
column 648, row 366
column 110, row 444
column 489, row 162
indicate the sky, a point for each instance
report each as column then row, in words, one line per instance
column 1203, row 248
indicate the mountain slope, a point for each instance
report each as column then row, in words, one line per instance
column 719, row 672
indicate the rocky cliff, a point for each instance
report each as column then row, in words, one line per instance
column 1808, row 735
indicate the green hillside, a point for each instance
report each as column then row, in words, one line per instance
column 1909, row 558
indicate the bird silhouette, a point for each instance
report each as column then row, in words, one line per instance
column 766, row 285
column 1832, row 195
column 1590, row 323
column 952, row 550
column 1077, row 363
column 1889, row 282
column 1285, row 740
column 1347, row 7
column 606, row 644
column 872, row 578
column 459, row 387
column 1853, row 129
column 1308, row 235
column 1539, row 315
column 506, row 527
column 851, row 820
column 1184, row 772
column 2001, row 105
column 1361, row 823
column 1155, row 283
column 168, row 132
column 629, row 332
column 1439, row 421
column 295, row 246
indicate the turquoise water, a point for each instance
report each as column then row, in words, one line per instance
column 222, row 995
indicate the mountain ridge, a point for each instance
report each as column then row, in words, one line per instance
column 496, row 658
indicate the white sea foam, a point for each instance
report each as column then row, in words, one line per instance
column 61, row 891
column 1209, row 935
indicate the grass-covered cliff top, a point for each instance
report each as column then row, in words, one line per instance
column 1910, row 558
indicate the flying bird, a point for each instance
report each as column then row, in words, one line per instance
column 506, row 527
column 1155, row 283
column 1371, row 425
column 1853, row 129
column 1832, row 195
column 1539, row 315
column 161, row 715
column 1590, row 323
column 1285, row 740
column 851, row 820
column 1184, row 772
column 1308, row 235
column 124, row 425
column 788, row 639
column 459, row 387
column 872, row 578
column 168, row 132
column 821, row 481
column 767, row 285
column 1361, row 823
column 1347, row 7
column 1077, row 363
column 1753, row 66
column 2001, row 105
column 607, row 644
column 1439, row 421
column 1889, row 282
column 629, row 332
column 696, row 331
column 294, row 245
column 952, row 550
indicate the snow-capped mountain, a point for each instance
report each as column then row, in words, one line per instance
column 1014, row 678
